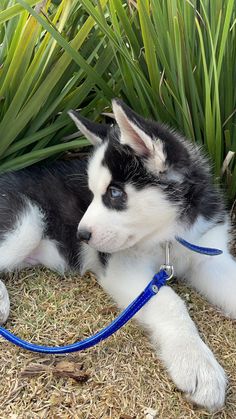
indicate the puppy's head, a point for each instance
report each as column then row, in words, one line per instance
column 134, row 175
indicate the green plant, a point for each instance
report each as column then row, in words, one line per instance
column 43, row 75
column 173, row 60
column 177, row 61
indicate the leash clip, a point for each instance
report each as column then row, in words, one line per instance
column 167, row 266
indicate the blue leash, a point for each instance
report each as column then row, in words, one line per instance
column 158, row 281
column 152, row 288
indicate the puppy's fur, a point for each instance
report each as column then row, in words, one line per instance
column 142, row 186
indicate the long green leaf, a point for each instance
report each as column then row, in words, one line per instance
column 15, row 10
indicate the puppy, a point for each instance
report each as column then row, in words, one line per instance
column 143, row 186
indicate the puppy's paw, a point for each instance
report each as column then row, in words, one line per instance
column 210, row 385
column 4, row 303
column 196, row 372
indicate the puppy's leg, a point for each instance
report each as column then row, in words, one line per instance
column 189, row 361
column 215, row 279
column 4, row 303
column 18, row 241
column 215, row 276
column 21, row 230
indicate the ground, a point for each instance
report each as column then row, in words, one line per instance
column 120, row 378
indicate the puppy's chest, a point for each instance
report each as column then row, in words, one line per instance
column 135, row 263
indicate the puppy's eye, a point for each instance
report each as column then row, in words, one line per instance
column 115, row 193
column 115, row 198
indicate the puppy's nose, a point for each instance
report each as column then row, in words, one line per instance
column 84, row 235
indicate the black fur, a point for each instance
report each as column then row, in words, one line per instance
column 195, row 194
column 104, row 258
column 60, row 191
column 100, row 130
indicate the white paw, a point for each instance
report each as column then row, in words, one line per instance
column 195, row 371
column 4, row 303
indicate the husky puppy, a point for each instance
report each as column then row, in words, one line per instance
column 143, row 185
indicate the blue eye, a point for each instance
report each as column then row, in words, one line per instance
column 115, row 193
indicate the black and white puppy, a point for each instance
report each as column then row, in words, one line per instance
column 142, row 186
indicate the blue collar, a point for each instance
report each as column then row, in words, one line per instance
column 203, row 250
column 158, row 281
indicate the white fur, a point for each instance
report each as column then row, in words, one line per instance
column 47, row 254
column 138, row 236
column 16, row 246
column 114, row 231
column 215, row 277
column 98, row 175
column 24, row 246
column 25, row 236
column 190, row 363
column 4, row 303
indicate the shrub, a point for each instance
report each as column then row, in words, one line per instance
column 173, row 60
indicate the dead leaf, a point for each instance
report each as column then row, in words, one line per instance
column 61, row 369
column 35, row 369
column 66, row 366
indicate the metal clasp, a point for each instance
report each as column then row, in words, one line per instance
column 167, row 266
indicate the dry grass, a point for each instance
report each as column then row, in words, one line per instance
column 125, row 379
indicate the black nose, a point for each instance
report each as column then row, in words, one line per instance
column 84, row 235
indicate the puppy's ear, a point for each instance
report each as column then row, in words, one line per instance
column 132, row 132
column 94, row 132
